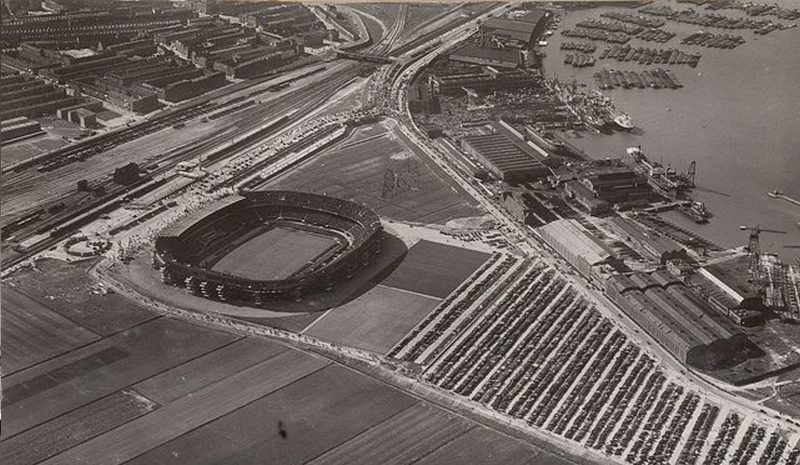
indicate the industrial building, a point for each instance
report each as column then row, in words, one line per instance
column 422, row 98
column 582, row 250
column 586, row 198
column 23, row 96
column 646, row 242
column 510, row 57
column 16, row 128
column 725, row 286
column 677, row 318
column 486, row 80
column 524, row 30
column 503, row 158
column 615, row 183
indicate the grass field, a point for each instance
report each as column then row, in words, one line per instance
column 435, row 269
column 76, row 378
column 207, row 369
column 482, row 447
column 33, row 333
column 72, row 428
column 375, row 321
column 276, row 254
column 192, row 411
column 318, row 412
column 412, row 433
column 375, row 168
column 72, row 293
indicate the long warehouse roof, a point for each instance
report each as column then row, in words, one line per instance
column 501, row 152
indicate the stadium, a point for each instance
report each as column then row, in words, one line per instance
column 267, row 245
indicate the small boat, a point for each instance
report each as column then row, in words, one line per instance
column 775, row 193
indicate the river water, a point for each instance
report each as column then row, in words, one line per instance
column 738, row 116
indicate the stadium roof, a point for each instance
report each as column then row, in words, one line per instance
column 178, row 228
column 571, row 233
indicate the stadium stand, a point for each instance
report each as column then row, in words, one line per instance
column 186, row 251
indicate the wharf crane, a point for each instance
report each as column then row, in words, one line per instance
column 754, row 253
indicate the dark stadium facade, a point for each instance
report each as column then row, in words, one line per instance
column 186, row 252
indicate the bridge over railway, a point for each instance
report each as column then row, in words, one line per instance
column 364, row 57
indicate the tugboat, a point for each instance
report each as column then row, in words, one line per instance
column 623, row 120
column 697, row 211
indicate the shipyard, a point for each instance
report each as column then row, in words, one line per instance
column 264, row 232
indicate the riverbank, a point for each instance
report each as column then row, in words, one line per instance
column 735, row 115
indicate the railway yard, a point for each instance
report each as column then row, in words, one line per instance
column 476, row 335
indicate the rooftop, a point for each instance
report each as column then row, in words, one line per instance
column 572, row 234
column 474, row 51
column 501, row 152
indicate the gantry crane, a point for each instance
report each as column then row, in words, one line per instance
column 754, row 253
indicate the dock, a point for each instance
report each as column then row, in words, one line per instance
column 778, row 195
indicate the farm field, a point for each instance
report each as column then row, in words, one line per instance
column 276, row 254
column 435, row 269
column 192, row 411
column 207, row 369
column 317, row 412
column 374, row 321
column 414, row 432
column 76, row 378
column 71, row 293
column 44, row 441
column 34, row 333
column 480, row 446
column 375, row 168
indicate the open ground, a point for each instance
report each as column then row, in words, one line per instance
column 375, row 167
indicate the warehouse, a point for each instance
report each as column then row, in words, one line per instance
column 503, row 158
column 485, row 56
column 616, row 183
column 486, row 80
column 677, row 318
column 588, row 255
column 523, row 31
column 586, row 198
column 647, row 242
column 18, row 127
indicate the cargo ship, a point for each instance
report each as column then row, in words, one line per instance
column 594, row 109
column 622, row 119
column 664, row 180
column 545, row 140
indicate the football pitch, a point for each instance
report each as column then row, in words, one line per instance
column 275, row 254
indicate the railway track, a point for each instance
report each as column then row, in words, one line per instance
column 431, row 35
column 303, row 100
